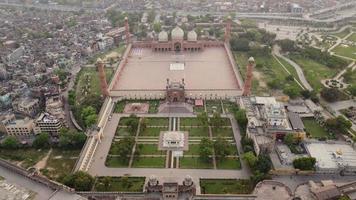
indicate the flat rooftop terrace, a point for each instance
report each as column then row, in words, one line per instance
column 205, row 72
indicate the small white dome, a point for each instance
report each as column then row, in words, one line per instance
column 163, row 36
column 177, row 33
column 192, row 36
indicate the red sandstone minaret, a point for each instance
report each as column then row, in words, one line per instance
column 228, row 29
column 249, row 76
column 102, row 77
column 127, row 30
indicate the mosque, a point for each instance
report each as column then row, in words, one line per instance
column 177, row 66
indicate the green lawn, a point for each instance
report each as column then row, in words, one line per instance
column 157, row 121
column 199, row 109
column 226, row 186
column 149, row 162
column 152, row 131
column 352, row 37
column 27, row 157
column 116, row 162
column 347, row 51
column 124, row 120
column 60, row 163
column 230, row 107
column 223, row 132
column 194, row 163
column 120, row 184
column 193, row 149
column 90, row 73
column 314, row 71
column 229, row 163
column 189, row 121
column 150, row 149
column 196, row 131
column 342, row 34
column 123, row 131
column 268, row 69
column 314, row 129
column 154, row 104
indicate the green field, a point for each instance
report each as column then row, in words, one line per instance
column 352, row 37
column 268, row 69
column 226, row 186
column 194, row 163
column 150, row 149
column 152, row 131
column 314, row 129
column 119, row 184
column 116, row 162
column 157, row 121
column 229, row 163
column 196, row 131
column 223, row 132
column 123, row 131
column 25, row 157
column 190, row 121
column 193, row 149
column 94, row 83
column 342, row 34
column 149, row 162
column 314, row 71
column 347, row 51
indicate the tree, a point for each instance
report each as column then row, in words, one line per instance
column 10, row 142
column 71, row 139
column 287, row 45
column 143, row 124
column 250, row 158
column 330, row 94
column 221, row 147
column 241, row 118
column 41, row 141
column 304, row 163
column 205, row 149
column 216, row 120
column 352, row 89
column 291, row 91
column 203, row 118
column 239, row 44
column 80, row 181
column 263, row 164
column 339, row 124
column 289, row 139
column 157, row 27
column 124, row 148
column 132, row 124
column 89, row 116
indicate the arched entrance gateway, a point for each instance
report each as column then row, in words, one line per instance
column 177, row 46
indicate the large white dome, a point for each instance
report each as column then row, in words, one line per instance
column 163, row 36
column 192, row 36
column 177, row 33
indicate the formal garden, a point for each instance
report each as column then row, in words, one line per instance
column 211, row 142
column 226, row 186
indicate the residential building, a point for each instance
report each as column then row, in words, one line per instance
column 20, row 127
column 47, row 123
column 54, row 106
column 28, row 106
column 5, row 119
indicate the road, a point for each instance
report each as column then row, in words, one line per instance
column 42, row 192
column 98, row 167
column 298, row 69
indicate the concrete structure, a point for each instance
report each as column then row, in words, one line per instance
column 47, row 123
column 26, row 106
column 333, row 157
column 5, row 119
column 20, row 127
column 248, row 79
column 55, row 107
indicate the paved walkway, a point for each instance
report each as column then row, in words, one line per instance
column 98, row 167
column 298, row 69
